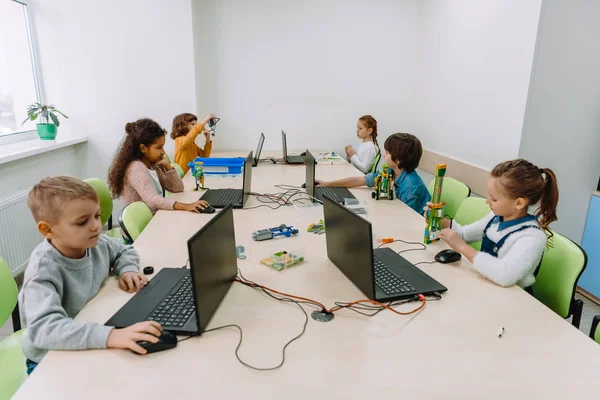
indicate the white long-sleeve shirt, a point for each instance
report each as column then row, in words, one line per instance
column 365, row 154
column 517, row 259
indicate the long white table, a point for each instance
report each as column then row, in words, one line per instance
column 448, row 350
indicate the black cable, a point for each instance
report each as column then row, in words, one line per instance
column 426, row 262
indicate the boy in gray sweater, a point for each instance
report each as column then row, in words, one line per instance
column 67, row 270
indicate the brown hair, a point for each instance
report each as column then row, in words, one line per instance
column 520, row 178
column 371, row 123
column 143, row 131
column 47, row 198
column 405, row 149
column 180, row 124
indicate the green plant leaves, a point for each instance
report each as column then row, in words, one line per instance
column 45, row 112
column 54, row 119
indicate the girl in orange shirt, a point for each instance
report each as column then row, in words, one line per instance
column 186, row 129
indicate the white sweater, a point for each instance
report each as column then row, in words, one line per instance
column 517, row 258
column 365, row 154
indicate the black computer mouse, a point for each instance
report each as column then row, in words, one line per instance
column 206, row 210
column 304, row 185
column 447, row 256
column 303, row 154
column 166, row 341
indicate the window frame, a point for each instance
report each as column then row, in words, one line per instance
column 33, row 54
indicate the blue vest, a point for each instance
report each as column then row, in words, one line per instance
column 490, row 247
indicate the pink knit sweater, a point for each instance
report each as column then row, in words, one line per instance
column 138, row 186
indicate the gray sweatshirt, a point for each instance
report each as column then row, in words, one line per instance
column 56, row 288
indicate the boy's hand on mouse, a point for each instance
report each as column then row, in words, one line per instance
column 320, row 183
column 127, row 338
column 132, row 282
column 452, row 238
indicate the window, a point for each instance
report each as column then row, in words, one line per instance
column 19, row 82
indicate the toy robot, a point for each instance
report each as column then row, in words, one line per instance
column 435, row 214
column 384, row 183
column 281, row 230
column 198, row 174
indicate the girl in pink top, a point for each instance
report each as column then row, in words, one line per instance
column 140, row 172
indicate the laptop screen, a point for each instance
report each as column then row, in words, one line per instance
column 349, row 245
column 284, row 143
column 247, row 188
column 213, row 263
column 261, row 140
column 310, row 174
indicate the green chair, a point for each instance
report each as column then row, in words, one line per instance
column 453, row 194
column 470, row 210
column 595, row 331
column 134, row 218
column 178, row 169
column 106, row 206
column 556, row 281
column 375, row 163
column 12, row 361
column 167, row 157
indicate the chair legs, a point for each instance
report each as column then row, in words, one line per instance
column 577, row 308
column 16, row 319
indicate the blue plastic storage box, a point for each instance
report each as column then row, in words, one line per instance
column 224, row 166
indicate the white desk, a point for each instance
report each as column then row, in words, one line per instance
column 449, row 350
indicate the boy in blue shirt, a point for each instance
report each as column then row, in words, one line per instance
column 403, row 152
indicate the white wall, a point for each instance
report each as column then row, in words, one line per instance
column 311, row 68
column 110, row 62
column 562, row 123
column 474, row 67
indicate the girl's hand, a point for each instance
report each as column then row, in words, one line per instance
column 127, row 338
column 452, row 238
column 164, row 164
column 350, row 151
column 199, row 204
column 132, row 282
column 207, row 118
column 207, row 133
column 445, row 221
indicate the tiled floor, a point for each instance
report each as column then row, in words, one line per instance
column 589, row 310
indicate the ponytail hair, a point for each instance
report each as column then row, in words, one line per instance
column 520, row 178
column 371, row 123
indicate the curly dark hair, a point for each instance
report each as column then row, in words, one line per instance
column 143, row 131
column 180, row 124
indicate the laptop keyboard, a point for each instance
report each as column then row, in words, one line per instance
column 388, row 282
column 177, row 308
column 329, row 192
column 295, row 159
column 229, row 196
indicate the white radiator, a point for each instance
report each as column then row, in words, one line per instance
column 18, row 232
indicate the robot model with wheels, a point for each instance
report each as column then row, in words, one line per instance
column 435, row 214
column 281, row 230
column 384, row 183
column 198, row 174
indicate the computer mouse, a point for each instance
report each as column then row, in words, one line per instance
column 166, row 341
column 206, row 210
column 303, row 154
column 447, row 256
column 304, row 185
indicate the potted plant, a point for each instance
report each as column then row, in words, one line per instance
column 46, row 129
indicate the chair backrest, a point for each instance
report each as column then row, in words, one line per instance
column 470, row 210
column 134, row 218
column 178, row 169
column 167, row 157
column 595, row 331
column 453, row 194
column 8, row 292
column 106, row 203
column 562, row 265
column 375, row 162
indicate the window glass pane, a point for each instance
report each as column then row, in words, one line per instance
column 17, row 78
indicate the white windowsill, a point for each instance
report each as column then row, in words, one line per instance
column 28, row 148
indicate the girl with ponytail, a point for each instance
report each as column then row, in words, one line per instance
column 513, row 240
column 362, row 158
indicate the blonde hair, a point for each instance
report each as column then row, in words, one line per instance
column 47, row 198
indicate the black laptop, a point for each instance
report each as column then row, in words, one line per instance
column 336, row 193
column 261, row 141
column 381, row 274
column 184, row 300
column 220, row 198
column 286, row 158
